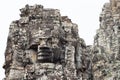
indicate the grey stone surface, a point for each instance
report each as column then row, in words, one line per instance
column 106, row 48
column 43, row 45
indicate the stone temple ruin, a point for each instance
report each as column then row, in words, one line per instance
column 43, row 45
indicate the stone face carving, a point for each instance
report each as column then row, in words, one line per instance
column 106, row 44
column 43, row 45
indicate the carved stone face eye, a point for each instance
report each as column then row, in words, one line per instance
column 49, row 41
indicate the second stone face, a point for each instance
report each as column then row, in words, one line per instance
column 106, row 49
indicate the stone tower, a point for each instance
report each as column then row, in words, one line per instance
column 43, row 45
column 106, row 48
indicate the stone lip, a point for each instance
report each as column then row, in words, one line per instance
column 45, row 54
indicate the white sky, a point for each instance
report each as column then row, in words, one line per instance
column 83, row 12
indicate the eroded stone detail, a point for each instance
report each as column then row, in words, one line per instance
column 43, row 45
column 106, row 49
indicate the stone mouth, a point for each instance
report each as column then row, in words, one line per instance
column 45, row 54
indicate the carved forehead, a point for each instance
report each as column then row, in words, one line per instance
column 45, row 33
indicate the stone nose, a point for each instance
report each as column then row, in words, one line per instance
column 43, row 43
